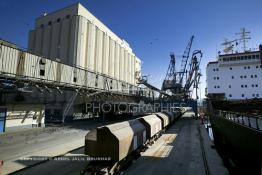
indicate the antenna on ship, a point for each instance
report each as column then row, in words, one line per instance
column 228, row 46
column 244, row 37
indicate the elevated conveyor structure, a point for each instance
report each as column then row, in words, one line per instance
column 20, row 69
column 65, row 90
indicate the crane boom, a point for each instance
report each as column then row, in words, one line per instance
column 185, row 59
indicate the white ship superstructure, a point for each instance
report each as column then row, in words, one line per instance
column 237, row 76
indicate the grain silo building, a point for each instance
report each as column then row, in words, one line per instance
column 75, row 37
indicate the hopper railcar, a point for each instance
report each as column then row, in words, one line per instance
column 122, row 142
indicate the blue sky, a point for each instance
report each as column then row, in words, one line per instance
column 153, row 28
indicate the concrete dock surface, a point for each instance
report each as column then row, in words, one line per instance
column 31, row 147
column 185, row 149
column 58, row 166
column 17, row 148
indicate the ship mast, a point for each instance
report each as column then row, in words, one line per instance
column 244, row 37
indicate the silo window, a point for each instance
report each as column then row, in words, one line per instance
column 75, row 75
column 58, row 20
column 50, row 23
column 67, row 16
column 42, row 63
column 42, row 72
column 111, row 82
column 96, row 81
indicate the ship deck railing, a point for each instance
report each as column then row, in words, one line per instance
column 249, row 120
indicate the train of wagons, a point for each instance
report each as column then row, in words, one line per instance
column 113, row 146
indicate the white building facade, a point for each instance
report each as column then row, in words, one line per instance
column 237, row 76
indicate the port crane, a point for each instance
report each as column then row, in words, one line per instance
column 173, row 80
column 193, row 78
column 177, row 84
